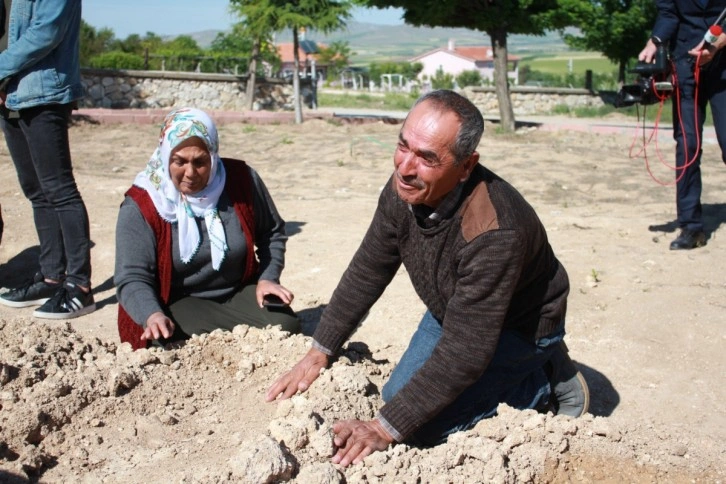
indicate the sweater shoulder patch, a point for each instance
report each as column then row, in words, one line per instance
column 478, row 214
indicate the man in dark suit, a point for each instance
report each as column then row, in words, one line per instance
column 682, row 24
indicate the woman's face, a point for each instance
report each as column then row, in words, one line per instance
column 190, row 166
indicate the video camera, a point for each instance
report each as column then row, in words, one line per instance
column 653, row 84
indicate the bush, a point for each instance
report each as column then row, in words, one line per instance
column 442, row 80
column 469, row 78
column 117, row 60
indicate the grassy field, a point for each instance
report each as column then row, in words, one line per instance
column 560, row 63
column 389, row 101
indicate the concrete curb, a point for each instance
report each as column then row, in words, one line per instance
column 544, row 123
column 156, row 116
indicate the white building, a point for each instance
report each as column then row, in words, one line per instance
column 454, row 60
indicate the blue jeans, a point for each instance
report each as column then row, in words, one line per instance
column 38, row 144
column 515, row 376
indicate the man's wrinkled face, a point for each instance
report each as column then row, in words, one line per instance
column 424, row 164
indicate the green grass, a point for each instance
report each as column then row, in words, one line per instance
column 389, row 101
column 403, row 102
column 560, row 64
column 650, row 112
column 601, row 111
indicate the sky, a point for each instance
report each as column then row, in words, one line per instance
column 175, row 17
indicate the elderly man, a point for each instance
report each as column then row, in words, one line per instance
column 479, row 258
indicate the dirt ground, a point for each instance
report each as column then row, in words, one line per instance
column 645, row 325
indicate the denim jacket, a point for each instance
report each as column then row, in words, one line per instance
column 41, row 64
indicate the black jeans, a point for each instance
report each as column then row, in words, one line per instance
column 38, row 142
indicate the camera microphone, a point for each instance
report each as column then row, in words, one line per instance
column 711, row 35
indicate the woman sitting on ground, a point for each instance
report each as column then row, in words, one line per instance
column 186, row 237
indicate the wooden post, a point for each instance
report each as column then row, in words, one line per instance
column 588, row 79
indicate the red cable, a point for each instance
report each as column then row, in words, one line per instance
column 662, row 98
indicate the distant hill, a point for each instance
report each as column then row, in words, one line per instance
column 370, row 42
column 205, row 38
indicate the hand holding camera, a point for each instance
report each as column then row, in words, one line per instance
column 654, row 83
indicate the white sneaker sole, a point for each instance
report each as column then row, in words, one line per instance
column 22, row 304
column 74, row 314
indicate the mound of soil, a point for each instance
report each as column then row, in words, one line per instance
column 77, row 408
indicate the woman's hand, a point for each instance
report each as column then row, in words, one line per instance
column 299, row 379
column 265, row 287
column 157, row 326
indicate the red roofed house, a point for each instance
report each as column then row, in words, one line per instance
column 454, row 60
column 307, row 55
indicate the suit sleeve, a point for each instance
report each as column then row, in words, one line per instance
column 667, row 20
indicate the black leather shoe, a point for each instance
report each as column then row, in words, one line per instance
column 689, row 239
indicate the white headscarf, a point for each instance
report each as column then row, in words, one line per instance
column 173, row 206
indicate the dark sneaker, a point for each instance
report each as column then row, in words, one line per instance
column 569, row 388
column 33, row 293
column 68, row 302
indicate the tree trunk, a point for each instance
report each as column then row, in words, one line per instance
column 296, row 79
column 501, row 82
column 621, row 72
column 252, row 73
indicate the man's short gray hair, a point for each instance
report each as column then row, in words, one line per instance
column 472, row 122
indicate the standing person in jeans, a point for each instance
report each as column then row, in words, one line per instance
column 40, row 82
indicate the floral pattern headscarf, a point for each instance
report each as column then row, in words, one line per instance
column 175, row 207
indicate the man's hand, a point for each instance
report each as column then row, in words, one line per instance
column 158, row 325
column 299, row 379
column 706, row 52
column 648, row 53
column 356, row 440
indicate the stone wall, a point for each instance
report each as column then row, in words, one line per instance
column 120, row 89
column 533, row 100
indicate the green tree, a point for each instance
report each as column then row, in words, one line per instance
column 336, row 56
column 497, row 18
column 320, row 15
column 232, row 49
column 617, row 28
column 259, row 22
column 93, row 42
column 152, row 42
column 184, row 50
column 131, row 45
